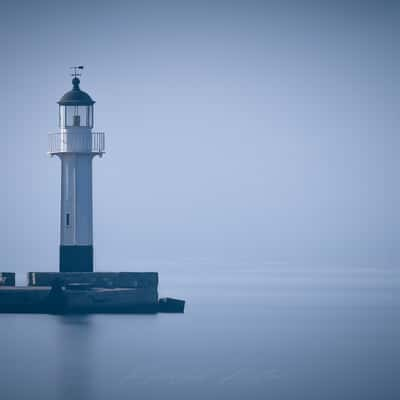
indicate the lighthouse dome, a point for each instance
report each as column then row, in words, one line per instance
column 76, row 96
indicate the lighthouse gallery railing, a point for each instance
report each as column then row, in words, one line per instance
column 76, row 143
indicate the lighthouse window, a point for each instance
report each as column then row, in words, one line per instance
column 78, row 116
column 67, row 221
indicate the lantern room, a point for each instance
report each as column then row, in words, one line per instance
column 76, row 108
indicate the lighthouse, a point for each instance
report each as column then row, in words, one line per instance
column 76, row 145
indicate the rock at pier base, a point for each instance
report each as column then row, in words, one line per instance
column 169, row 305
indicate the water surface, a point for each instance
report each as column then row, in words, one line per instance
column 266, row 331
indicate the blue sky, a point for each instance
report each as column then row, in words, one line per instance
column 264, row 131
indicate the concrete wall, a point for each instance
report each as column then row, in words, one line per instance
column 7, row 279
column 97, row 279
column 38, row 300
column 23, row 299
column 108, row 300
column 110, row 292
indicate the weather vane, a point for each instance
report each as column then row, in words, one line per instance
column 76, row 73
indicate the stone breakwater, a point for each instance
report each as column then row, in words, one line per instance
column 85, row 292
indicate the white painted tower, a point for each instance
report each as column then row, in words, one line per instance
column 76, row 145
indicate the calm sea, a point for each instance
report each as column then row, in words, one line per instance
column 267, row 331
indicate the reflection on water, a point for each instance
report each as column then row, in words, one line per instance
column 74, row 335
column 276, row 332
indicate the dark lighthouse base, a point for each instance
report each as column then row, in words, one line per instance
column 76, row 258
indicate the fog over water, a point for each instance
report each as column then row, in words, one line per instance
column 251, row 158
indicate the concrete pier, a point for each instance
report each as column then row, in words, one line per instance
column 85, row 292
column 35, row 300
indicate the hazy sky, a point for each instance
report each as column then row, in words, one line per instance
column 255, row 130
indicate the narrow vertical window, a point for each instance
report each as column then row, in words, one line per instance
column 67, row 219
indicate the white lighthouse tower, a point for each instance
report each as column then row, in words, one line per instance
column 76, row 145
